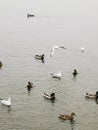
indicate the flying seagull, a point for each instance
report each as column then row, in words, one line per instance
column 56, row 47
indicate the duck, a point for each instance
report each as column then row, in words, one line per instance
column 57, row 75
column 6, row 102
column 56, row 47
column 49, row 96
column 67, row 117
column 30, row 15
column 40, row 57
column 90, row 96
column 1, row 64
column 75, row 72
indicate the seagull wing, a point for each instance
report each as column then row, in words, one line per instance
column 53, row 49
column 52, row 52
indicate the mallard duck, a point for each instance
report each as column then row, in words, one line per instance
column 49, row 96
column 40, row 57
column 67, row 117
column 91, row 96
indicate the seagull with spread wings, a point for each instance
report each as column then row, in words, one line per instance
column 56, row 47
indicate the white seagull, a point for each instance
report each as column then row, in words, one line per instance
column 6, row 102
column 57, row 75
column 56, row 47
column 82, row 49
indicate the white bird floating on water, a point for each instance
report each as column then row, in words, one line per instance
column 82, row 49
column 6, row 102
column 56, row 47
column 57, row 75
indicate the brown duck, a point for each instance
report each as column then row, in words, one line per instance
column 67, row 117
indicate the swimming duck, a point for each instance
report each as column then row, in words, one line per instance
column 75, row 72
column 40, row 57
column 30, row 15
column 91, row 96
column 49, row 96
column 67, row 117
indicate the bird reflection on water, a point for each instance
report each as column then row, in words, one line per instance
column 72, row 124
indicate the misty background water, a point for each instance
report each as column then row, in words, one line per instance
column 21, row 38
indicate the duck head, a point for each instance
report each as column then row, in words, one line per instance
column 73, row 114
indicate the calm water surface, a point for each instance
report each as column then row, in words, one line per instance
column 20, row 39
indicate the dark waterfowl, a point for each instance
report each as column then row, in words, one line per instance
column 1, row 64
column 40, row 57
column 30, row 15
column 75, row 72
column 29, row 86
column 49, row 96
column 67, row 117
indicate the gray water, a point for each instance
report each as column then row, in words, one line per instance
column 20, row 40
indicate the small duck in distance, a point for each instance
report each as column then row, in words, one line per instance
column 30, row 15
column 49, row 96
column 57, row 75
column 67, row 117
column 75, row 72
column 56, row 47
column 40, row 57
